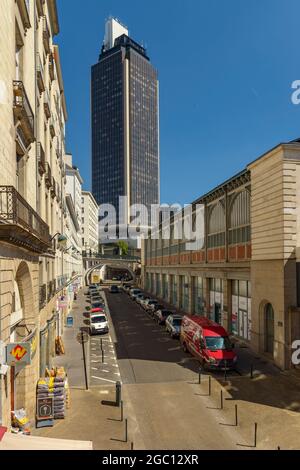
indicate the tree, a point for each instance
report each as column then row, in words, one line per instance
column 123, row 247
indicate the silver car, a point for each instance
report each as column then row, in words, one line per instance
column 173, row 325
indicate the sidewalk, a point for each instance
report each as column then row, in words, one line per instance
column 87, row 419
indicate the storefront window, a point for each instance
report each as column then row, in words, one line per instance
column 184, row 304
column 198, row 295
column 241, row 309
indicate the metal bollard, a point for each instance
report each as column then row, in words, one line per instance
column 236, row 415
column 199, row 378
column 102, row 353
column 209, row 385
column 122, row 411
column 131, row 446
column 126, row 430
column 221, row 401
column 118, row 393
column 255, row 434
column 251, row 371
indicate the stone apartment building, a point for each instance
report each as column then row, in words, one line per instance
column 89, row 214
column 33, row 212
column 247, row 276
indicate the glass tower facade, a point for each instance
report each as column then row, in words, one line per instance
column 125, row 134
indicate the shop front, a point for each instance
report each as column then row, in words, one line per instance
column 216, row 300
column 241, row 309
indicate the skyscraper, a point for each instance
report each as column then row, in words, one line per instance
column 125, row 126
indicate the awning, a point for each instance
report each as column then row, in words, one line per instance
column 20, row 442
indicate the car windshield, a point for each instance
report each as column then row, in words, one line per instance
column 215, row 343
column 98, row 319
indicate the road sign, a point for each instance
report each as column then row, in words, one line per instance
column 82, row 337
column 44, row 408
column 18, row 353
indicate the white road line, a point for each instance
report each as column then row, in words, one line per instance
column 117, row 373
column 104, row 370
column 100, row 378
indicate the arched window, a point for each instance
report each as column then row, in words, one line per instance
column 239, row 218
column 216, row 226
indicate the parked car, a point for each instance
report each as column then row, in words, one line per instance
column 207, row 341
column 98, row 323
column 97, row 310
column 97, row 304
column 134, row 293
column 161, row 315
column 144, row 300
column 139, row 298
column 114, row 290
column 149, row 303
column 173, row 325
column 126, row 287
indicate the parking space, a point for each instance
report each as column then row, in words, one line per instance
column 104, row 368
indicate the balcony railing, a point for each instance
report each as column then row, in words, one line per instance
column 24, row 117
column 41, row 159
column 46, row 36
column 48, row 177
column 47, row 105
column 52, row 128
column 51, row 67
column 40, row 74
column 24, row 13
column 53, row 188
column 51, row 290
column 39, row 7
column 43, row 296
column 20, row 224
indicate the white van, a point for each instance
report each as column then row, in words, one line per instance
column 98, row 323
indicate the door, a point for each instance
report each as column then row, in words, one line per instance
column 269, row 329
column 217, row 313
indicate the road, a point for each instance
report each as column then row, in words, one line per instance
column 164, row 404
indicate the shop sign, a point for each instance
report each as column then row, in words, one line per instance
column 70, row 321
column 44, row 408
column 18, row 353
column 63, row 302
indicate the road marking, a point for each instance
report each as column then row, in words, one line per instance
column 100, row 378
column 104, row 370
column 117, row 373
column 104, row 392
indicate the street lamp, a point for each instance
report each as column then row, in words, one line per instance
column 61, row 240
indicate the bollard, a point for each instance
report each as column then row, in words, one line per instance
column 131, row 446
column 122, row 411
column 126, row 430
column 199, row 378
column 255, row 434
column 251, row 371
column 118, row 393
column 236, row 415
column 221, row 401
column 101, row 343
column 102, row 353
column 209, row 385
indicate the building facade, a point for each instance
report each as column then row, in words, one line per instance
column 125, row 128
column 33, row 210
column 90, row 239
column 246, row 276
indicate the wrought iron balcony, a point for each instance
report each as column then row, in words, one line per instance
column 51, row 291
column 39, row 7
column 24, row 118
column 47, row 105
column 40, row 74
column 43, row 296
column 48, row 176
column 51, row 67
column 53, row 188
column 20, row 224
column 46, row 36
column 52, row 128
column 41, row 159
column 24, row 13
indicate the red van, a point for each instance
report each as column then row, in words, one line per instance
column 208, row 342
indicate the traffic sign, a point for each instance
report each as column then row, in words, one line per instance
column 82, row 337
column 44, row 408
column 18, row 353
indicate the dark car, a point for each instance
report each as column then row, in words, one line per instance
column 97, row 304
column 161, row 316
column 114, row 290
column 173, row 325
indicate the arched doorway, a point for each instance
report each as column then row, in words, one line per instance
column 269, row 329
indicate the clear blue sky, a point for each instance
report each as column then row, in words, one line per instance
column 225, row 70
